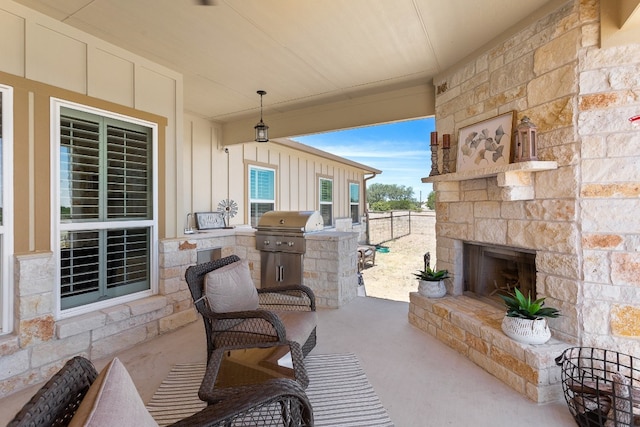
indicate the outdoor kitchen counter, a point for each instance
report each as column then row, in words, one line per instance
column 330, row 260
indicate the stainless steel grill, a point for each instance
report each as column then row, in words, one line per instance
column 280, row 238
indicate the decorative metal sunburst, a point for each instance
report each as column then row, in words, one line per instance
column 229, row 209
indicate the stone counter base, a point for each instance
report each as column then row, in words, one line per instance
column 472, row 328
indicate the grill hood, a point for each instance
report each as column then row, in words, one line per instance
column 291, row 221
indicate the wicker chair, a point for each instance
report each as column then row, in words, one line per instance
column 366, row 254
column 267, row 324
column 275, row 403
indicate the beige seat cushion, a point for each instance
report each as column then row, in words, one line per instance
column 298, row 324
column 112, row 400
column 230, row 288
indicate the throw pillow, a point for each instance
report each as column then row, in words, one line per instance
column 230, row 288
column 112, row 400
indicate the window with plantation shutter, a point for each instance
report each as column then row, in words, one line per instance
column 354, row 201
column 262, row 192
column 6, row 209
column 326, row 200
column 106, row 207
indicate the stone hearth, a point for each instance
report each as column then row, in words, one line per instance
column 472, row 328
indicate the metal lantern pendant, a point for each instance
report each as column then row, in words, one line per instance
column 526, row 141
column 262, row 130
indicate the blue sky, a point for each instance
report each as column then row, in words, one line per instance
column 400, row 150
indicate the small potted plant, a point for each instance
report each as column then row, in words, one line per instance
column 526, row 320
column 431, row 282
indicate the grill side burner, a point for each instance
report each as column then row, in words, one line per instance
column 280, row 238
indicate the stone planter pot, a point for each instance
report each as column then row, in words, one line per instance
column 432, row 289
column 526, row 331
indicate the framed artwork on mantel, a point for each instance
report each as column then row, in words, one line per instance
column 485, row 144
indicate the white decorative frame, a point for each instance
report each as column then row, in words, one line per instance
column 485, row 144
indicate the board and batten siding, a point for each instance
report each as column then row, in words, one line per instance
column 212, row 175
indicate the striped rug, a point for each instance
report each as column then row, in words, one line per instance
column 339, row 392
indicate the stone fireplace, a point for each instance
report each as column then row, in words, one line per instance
column 570, row 211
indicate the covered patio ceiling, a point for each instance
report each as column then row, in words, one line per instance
column 325, row 65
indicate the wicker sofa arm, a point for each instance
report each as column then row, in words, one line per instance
column 263, row 405
column 290, row 297
column 57, row 401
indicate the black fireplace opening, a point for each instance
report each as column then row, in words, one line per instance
column 493, row 270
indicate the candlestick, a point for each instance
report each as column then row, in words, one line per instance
column 445, row 159
column 434, row 138
column 446, row 141
column 434, row 159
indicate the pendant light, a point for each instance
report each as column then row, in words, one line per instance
column 262, row 130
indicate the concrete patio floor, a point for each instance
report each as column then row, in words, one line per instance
column 420, row 381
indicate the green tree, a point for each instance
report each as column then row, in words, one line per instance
column 386, row 197
column 386, row 192
column 431, row 200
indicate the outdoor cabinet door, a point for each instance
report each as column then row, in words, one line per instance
column 280, row 268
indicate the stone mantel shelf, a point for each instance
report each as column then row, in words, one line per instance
column 515, row 179
column 532, row 166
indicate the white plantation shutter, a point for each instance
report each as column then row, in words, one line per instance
column 262, row 191
column 105, row 180
column 354, row 201
column 326, row 201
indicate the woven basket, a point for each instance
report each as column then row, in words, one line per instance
column 526, row 331
column 601, row 387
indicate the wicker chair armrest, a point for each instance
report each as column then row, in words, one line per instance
column 307, row 304
column 273, row 326
column 264, row 399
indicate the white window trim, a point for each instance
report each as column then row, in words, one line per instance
column 56, row 106
column 6, row 228
column 354, row 204
column 275, row 177
column 320, row 202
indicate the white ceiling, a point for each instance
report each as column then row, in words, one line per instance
column 304, row 53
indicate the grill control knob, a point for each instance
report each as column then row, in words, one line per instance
column 289, row 244
column 266, row 243
column 278, row 243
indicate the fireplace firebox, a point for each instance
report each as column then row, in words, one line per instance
column 493, row 270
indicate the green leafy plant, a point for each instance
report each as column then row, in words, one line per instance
column 431, row 275
column 520, row 306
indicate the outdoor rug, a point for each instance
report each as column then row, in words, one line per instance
column 339, row 392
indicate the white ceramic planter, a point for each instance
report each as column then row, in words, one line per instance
column 526, row 331
column 432, row 289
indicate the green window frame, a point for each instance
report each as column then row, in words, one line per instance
column 354, row 202
column 325, row 192
column 262, row 192
column 106, row 197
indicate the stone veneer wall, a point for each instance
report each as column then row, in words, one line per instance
column 42, row 344
column 580, row 218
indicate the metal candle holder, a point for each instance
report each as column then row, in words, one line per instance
column 434, row 154
column 446, row 145
column 445, row 160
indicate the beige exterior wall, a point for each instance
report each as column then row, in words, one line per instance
column 73, row 64
column 211, row 173
column 43, row 59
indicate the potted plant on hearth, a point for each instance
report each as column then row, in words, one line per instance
column 526, row 320
column 431, row 282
